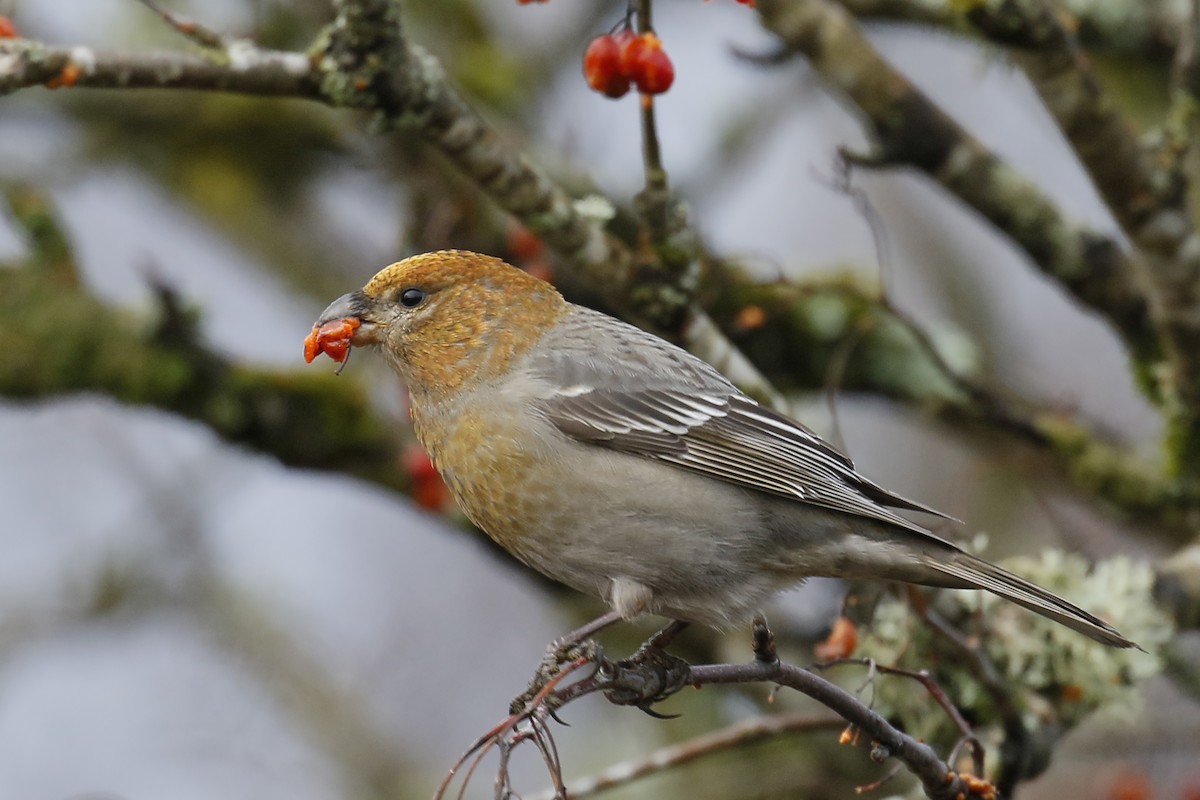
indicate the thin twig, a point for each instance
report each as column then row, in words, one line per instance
column 934, row 690
column 940, row 782
column 189, row 29
column 739, row 734
column 1015, row 752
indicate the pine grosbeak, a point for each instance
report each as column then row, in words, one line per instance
column 614, row 462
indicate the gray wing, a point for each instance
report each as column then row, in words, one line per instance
column 630, row 404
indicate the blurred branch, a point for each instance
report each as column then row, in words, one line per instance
column 910, row 130
column 363, row 60
column 1183, row 118
column 367, row 61
column 244, row 68
column 669, row 265
column 740, row 734
column 77, row 343
column 1147, row 193
column 794, row 332
column 1121, row 167
column 1137, row 28
column 1151, row 298
column 189, row 29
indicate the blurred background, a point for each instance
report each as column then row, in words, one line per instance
column 184, row 617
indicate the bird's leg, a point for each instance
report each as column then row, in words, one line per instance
column 563, row 644
column 565, row 649
column 665, row 635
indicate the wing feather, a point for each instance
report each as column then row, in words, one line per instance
column 712, row 429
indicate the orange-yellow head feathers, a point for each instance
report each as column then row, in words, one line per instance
column 452, row 320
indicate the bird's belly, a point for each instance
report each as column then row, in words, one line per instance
column 597, row 516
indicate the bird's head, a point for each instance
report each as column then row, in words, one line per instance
column 446, row 321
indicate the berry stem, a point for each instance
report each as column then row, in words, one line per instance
column 656, row 174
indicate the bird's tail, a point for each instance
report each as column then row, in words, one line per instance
column 966, row 571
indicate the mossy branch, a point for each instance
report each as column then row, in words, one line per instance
column 801, row 334
column 69, row 341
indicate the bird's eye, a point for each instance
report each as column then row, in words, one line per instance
column 411, row 298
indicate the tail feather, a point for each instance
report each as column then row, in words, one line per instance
column 971, row 572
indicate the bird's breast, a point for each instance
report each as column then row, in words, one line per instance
column 485, row 458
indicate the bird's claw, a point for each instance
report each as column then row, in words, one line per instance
column 558, row 654
column 645, row 678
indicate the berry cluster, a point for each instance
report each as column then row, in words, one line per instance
column 613, row 61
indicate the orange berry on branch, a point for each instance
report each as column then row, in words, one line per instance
column 7, row 29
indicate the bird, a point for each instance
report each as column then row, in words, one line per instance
column 623, row 466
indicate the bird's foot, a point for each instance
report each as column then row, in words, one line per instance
column 559, row 654
column 645, row 678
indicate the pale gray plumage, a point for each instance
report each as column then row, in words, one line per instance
column 633, row 404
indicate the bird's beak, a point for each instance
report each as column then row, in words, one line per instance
column 358, row 306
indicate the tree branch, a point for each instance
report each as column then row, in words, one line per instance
column 642, row 681
column 910, row 130
column 1134, row 28
column 785, row 327
column 739, row 734
column 364, row 61
column 244, row 69
column 1147, row 193
column 411, row 89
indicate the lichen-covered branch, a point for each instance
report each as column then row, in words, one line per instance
column 797, row 334
column 1137, row 28
column 938, row 780
column 1147, row 193
column 910, row 130
column 653, row 675
column 307, row 420
column 243, row 68
column 364, row 61
column 1121, row 166
column 739, row 734
column 408, row 87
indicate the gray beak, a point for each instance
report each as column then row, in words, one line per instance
column 354, row 304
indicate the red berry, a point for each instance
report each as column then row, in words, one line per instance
column 644, row 61
column 656, row 72
column 524, row 244
column 418, row 464
column 602, row 66
column 7, row 29
column 632, row 48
